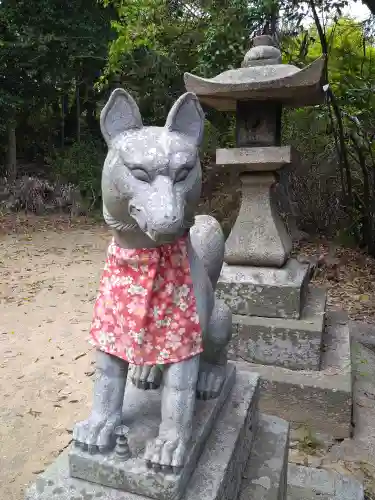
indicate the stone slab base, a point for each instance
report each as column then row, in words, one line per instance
column 321, row 400
column 291, row 343
column 255, row 159
column 265, row 477
column 218, row 472
column 305, row 483
column 264, row 291
column 142, row 416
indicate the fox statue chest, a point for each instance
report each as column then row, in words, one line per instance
column 153, row 304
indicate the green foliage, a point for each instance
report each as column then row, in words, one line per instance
column 226, row 37
column 138, row 25
column 158, row 41
column 58, row 60
column 80, row 164
column 345, row 127
column 48, row 49
column 150, row 53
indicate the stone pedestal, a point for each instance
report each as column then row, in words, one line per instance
column 265, row 291
column 307, row 483
column 142, row 417
column 292, row 343
column 256, row 159
column 259, row 236
column 240, row 442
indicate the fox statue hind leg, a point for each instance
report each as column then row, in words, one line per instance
column 208, row 242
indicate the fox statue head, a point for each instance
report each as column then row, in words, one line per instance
column 151, row 179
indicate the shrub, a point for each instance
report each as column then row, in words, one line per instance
column 39, row 196
column 81, row 165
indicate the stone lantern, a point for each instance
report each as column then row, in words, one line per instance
column 259, row 277
column 257, row 92
column 281, row 329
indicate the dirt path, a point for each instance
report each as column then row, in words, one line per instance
column 48, row 284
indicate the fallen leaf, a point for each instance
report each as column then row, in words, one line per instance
column 34, row 413
column 364, row 298
column 79, row 356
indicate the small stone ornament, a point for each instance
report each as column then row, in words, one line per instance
column 122, row 449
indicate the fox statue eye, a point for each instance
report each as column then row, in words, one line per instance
column 140, row 174
column 182, row 174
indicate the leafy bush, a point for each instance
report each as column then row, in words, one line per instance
column 314, row 183
column 81, row 165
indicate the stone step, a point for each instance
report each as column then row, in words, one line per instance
column 265, row 291
column 321, row 400
column 291, row 343
column 217, row 474
column 360, row 448
column 265, row 477
column 306, row 483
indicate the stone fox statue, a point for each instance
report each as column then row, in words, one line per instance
column 156, row 310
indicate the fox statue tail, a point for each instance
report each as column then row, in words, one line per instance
column 208, row 241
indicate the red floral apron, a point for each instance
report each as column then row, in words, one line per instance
column 145, row 312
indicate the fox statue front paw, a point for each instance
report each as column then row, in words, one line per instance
column 97, row 434
column 166, row 454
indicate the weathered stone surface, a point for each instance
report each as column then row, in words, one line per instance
column 287, row 207
column 217, row 474
column 305, row 483
column 291, row 343
column 264, row 51
column 261, row 159
column 258, row 123
column 259, row 236
column 265, row 477
column 364, row 333
column 281, row 82
column 264, row 291
column 321, row 400
column 361, row 448
column 143, row 419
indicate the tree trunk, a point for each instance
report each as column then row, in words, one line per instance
column 62, row 129
column 78, row 114
column 11, row 166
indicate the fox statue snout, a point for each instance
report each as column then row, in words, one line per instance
column 158, row 210
column 152, row 175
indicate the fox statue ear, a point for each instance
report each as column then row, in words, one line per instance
column 121, row 113
column 187, row 118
